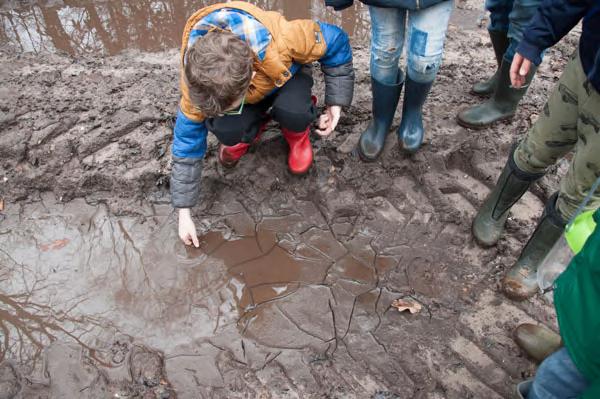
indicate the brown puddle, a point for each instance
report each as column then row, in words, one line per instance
column 260, row 269
column 74, row 273
column 109, row 27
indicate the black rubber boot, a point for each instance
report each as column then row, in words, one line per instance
column 488, row 225
column 501, row 106
column 411, row 132
column 500, row 44
column 520, row 282
column 385, row 102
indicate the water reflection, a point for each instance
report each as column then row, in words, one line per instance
column 86, row 26
column 75, row 273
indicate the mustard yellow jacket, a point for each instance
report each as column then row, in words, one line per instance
column 291, row 44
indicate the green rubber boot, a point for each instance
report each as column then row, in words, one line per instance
column 488, row 225
column 384, row 104
column 500, row 43
column 537, row 341
column 520, row 282
column 501, row 106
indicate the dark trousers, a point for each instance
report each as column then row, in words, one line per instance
column 291, row 106
column 512, row 17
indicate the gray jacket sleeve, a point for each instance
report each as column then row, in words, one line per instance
column 339, row 84
column 185, row 181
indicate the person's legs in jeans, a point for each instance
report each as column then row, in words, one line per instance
column 426, row 36
column 557, row 378
column 294, row 109
column 387, row 41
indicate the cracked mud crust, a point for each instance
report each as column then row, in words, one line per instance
column 289, row 295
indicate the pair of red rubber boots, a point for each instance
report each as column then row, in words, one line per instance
column 300, row 157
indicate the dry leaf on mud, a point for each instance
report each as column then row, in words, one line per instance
column 54, row 245
column 407, row 304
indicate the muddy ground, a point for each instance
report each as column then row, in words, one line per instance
column 290, row 294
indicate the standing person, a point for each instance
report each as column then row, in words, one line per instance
column 423, row 25
column 572, row 370
column 508, row 21
column 240, row 67
column 570, row 121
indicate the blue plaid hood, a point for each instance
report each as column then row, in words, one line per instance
column 238, row 22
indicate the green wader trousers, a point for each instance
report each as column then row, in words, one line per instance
column 570, row 122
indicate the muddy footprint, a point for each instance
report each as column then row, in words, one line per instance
column 146, row 368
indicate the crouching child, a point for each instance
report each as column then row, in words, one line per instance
column 242, row 66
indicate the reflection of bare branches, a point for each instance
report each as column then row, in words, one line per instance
column 36, row 325
column 8, row 20
column 149, row 25
column 55, row 30
column 95, row 23
column 4, row 38
column 118, row 21
column 26, row 327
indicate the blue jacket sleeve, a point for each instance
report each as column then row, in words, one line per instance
column 553, row 20
column 338, row 51
column 189, row 139
column 189, row 147
column 337, row 66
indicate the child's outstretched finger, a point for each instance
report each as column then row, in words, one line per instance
column 195, row 240
column 324, row 131
column 334, row 122
column 323, row 121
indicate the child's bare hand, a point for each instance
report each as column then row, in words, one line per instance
column 329, row 120
column 519, row 69
column 187, row 228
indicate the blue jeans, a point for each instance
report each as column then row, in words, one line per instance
column 558, row 378
column 425, row 34
column 512, row 17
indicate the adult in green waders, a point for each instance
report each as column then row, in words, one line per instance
column 570, row 122
column 571, row 368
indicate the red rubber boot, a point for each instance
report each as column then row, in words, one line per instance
column 300, row 157
column 229, row 156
